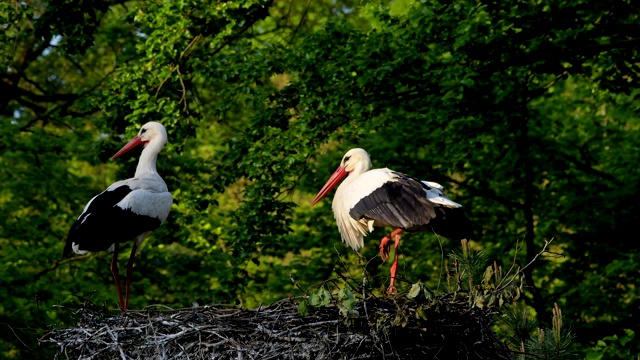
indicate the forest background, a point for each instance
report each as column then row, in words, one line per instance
column 526, row 111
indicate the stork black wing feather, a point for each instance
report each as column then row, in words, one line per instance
column 104, row 223
column 396, row 203
column 403, row 204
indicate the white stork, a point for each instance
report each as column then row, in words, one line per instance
column 383, row 197
column 127, row 210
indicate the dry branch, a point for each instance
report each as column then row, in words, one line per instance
column 395, row 328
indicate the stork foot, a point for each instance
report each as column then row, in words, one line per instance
column 385, row 247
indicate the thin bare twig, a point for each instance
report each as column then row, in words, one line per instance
column 57, row 264
column 302, row 19
column 544, row 248
column 296, row 284
column 184, row 90
column 513, row 264
column 554, row 81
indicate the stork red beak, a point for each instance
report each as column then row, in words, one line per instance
column 130, row 145
column 338, row 175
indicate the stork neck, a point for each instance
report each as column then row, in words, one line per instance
column 147, row 162
column 359, row 169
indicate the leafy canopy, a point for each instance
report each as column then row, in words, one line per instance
column 525, row 112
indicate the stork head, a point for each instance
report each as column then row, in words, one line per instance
column 151, row 132
column 355, row 161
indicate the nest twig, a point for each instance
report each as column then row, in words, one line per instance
column 446, row 329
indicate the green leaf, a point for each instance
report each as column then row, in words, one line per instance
column 629, row 335
column 303, row 309
column 325, row 297
column 314, row 299
column 420, row 313
column 594, row 356
column 488, row 273
column 350, row 304
column 414, row 291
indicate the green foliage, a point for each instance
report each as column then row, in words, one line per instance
column 525, row 112
column 472, row 264
column 615, row 347
column 345, row 293
column 347, row 303
column 521, row 333
column 344, row 299
column 554, row 343
column 418, row 289
column 487, row 286
column 518, row 325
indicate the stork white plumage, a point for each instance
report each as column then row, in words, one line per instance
column 383, row 197
column 127, row 210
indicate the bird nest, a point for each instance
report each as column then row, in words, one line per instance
column 374, row 328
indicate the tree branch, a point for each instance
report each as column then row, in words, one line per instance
column 59, row 263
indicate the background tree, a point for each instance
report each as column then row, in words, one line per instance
column 525, row 112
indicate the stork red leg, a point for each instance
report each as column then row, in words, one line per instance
column 114, row 271
column 385, row 246
column 394, row 266
column 130, row 273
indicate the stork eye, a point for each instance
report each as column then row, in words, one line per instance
column 346, row 158
column 142, row 131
